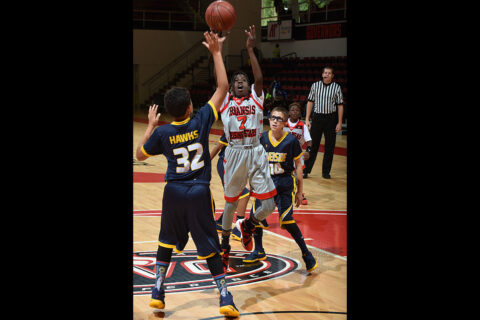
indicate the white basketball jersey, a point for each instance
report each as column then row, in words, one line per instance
column 243, row 118
column 299, row 130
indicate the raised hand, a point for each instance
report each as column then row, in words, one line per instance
column 250, row 37
column 213, row 41
column 153, row 117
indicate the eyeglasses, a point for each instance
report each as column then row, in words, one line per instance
column 279, row 119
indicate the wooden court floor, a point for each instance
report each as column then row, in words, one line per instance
column 277, row 288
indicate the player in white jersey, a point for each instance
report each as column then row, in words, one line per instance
column 245, row 158
column 298, row 128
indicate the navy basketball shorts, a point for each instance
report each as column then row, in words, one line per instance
column 189, row 207
column 284, row 200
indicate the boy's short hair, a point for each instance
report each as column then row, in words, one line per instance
column 238, row 72
column 282, row 110
column 176, row 101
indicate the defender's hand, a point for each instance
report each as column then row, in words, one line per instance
column 153, row 117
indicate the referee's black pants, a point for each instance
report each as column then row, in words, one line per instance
column 322, row 124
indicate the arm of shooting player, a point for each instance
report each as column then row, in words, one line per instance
column 257, row 71
column 214, row 44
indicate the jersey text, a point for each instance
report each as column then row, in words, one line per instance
column 243, row 134
column 276, row 157
column 184, row 137
column 240, row 111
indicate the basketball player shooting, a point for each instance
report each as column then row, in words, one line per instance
column 245, row 158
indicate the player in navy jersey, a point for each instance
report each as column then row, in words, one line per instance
column 244, row 197
column 187, row 204
column 284, row 154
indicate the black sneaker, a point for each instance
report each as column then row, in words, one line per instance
column 310, row 262
column 158, row 299
column 227, row 307
column 256, row 255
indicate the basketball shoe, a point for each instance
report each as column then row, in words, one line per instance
column 304, row 201
column 310, row 262
column 158, row 299
column 236, row 234
column 256, row 255
column 227, row 307
column 225, row 257
column 246, row 237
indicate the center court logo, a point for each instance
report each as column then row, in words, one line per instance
column 187, row 273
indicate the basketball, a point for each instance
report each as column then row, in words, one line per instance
column 220, row 15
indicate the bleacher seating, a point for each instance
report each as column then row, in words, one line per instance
column 296, row 75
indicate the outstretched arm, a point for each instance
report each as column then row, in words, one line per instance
column 214, row 43
column 257, row 71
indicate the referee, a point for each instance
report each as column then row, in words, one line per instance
column 325, row 99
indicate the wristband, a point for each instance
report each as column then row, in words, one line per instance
column 308, row 149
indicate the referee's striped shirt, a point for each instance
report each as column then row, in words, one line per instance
column 325, row 97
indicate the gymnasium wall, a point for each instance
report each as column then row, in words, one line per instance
column 307, row 48
column 154, row 49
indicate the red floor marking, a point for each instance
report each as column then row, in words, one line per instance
column 328, row 232
column 148, row 177
column 326, row 228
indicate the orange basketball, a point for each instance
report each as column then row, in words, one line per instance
column 220, row 15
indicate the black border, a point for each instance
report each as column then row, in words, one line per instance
column 79, row 133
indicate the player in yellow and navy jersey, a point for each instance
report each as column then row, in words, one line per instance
column 187, row 204
column 284, row 153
